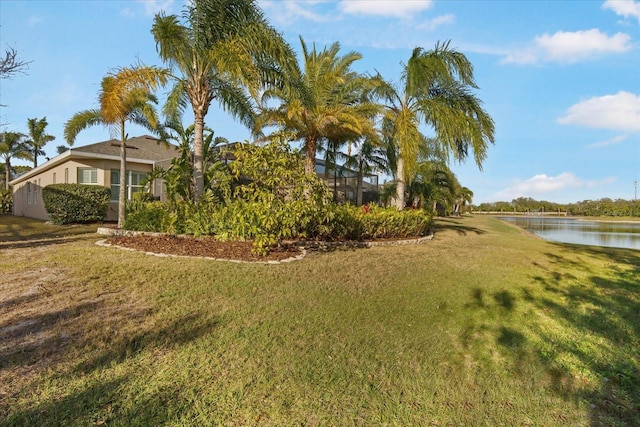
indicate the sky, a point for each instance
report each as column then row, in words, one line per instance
column 561, row 79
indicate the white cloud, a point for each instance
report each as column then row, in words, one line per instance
column 542, row 184
column 285, row 12
column 615, row 140
column 434, row 23
column 620, row 112
column 626, row 8
column 152, row 7
column 570, row 47
column 400, row 9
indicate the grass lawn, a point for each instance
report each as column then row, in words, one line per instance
column 483, row 326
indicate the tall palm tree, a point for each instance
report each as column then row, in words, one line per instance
column 225, row 51
column 124, row 97
column 12, row 145
column 322, row 101
column 38, row 137
column 436, row 91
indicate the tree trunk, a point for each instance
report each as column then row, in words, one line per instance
column 359, row 189
column 310, row 157
column 198, row 161
column 400, row 183
column 122, row 195
column 7, row 173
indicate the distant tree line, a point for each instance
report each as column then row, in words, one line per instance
column 600, row 207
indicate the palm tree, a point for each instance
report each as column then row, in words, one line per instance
column 370, row 157
column 321, row 102
column 124, row 97
column 436, row 91
column 463, row 196
column 226, row 51
column 434, row 183
column 38, row 137
column 180, row 173
column 12, row 145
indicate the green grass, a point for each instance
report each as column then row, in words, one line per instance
column 485, row 326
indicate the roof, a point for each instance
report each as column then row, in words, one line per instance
column 142, row 149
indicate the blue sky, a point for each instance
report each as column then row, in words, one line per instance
column 561, row 79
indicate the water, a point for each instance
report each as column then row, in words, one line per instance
column 570, row 230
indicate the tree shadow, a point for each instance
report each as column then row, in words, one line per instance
column 602, row 304
column 37, row 343
column 41, row 242
column 448, row 224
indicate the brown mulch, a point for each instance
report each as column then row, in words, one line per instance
column 203, row 247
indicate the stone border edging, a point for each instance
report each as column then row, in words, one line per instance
column 105, row 231
column 104, row 243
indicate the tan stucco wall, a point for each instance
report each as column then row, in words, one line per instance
column 57, row 174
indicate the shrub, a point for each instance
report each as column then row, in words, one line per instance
column 6, row 201
column 150, row 216
column 76, row 203
column 373, row 222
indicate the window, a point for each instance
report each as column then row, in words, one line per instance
column 66, row 175
column 87, row 176
column 35, row 193
column 54, row 178
column 134, row 181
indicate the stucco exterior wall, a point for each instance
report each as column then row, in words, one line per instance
column 27, row 195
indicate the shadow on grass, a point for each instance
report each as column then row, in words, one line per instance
column 601, row 309
column 21, row 229
column 86, row 368
column 457, row 225
column 39, row 241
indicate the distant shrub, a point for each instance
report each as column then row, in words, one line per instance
column 6, row 201
column 76, row 203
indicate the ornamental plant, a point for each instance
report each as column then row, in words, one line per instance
column 76, row 203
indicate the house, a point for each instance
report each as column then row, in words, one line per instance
column 94, row 164
column 344, row 183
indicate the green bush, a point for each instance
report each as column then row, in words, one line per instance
column 6, row 201
column 373, row 222
column 267, row 198
column 150, row 216
column 76, row 203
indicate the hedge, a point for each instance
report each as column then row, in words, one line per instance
column 76, row 203
column 6, row 201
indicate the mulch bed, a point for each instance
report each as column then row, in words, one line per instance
column 203, row 247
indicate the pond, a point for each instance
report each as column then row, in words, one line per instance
column 579, row 231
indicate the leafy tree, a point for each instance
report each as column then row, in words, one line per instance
column 435, row 91
column 225, row 51
column 124, row 97
column 320, row 101
column 12, row 146
column 38, row 137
